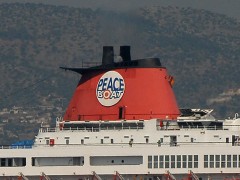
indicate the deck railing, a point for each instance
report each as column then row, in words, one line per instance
column 15, row 147
column 166, row 128
column 131, row 144
column 92, row 129
column 177, row 127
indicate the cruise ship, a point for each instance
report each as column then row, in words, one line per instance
column 123, row 122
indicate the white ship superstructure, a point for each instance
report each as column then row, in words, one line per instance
column 164, row 144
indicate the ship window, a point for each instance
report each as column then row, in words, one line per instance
column 57, row 161
column 228, row 161
column 234, row 161
column 166, row 161
column 76, row 161
column 195, row 161
column 211, row 161
column 184, row 161
column 10, row 162
column 189, row 161
column 217, row 161
column 161, row 159
column 47, row 141
column 111, row 141
column 23, row 161
column 33, row 161
column 155, row 164
column 20, row 161
column 147, row 140
column 205, row 161
column 101, row 141
column 82, row 141
column 238, row 160
column 223, row 161
column 178, row 161
column 118, row 160
column 227, row 140
column 149, row 162
column 3, row 161
column 172, row 161
column 173, row 140
column 67, row 141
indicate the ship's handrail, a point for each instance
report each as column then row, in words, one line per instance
column 204, row 127
column 216, row 127
column 159, row 144
column 43, row 129
column 15, row 147
column 167, row 128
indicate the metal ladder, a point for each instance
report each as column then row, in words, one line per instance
column 21, row 176
column 194, row 176
column 45, row 176
column 96, row 176
column 170, row 176
column 119, row 176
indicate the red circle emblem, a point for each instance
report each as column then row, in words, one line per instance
column 106, row 94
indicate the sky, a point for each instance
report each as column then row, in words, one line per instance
column 228, row 7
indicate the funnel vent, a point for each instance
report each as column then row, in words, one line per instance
column 108, row 55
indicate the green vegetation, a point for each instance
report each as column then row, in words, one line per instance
column 199, row 48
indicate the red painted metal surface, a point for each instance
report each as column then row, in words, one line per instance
column 147, row 94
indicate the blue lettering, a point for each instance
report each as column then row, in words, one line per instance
column 121, row 85
column 115, row 87
column 99, row 94
column 110, row 84
column 113, row 95
column 100, row 84
column 114, row 84
column 104, row 84
column 119, row 94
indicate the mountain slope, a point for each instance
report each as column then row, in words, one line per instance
column 199, row 48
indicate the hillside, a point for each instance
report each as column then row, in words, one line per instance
column 202, row 51
column 199, row 48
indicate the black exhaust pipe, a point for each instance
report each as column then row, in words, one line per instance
column 125, row 53
column 108, row 55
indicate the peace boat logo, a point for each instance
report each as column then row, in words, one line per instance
column 110, row 88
